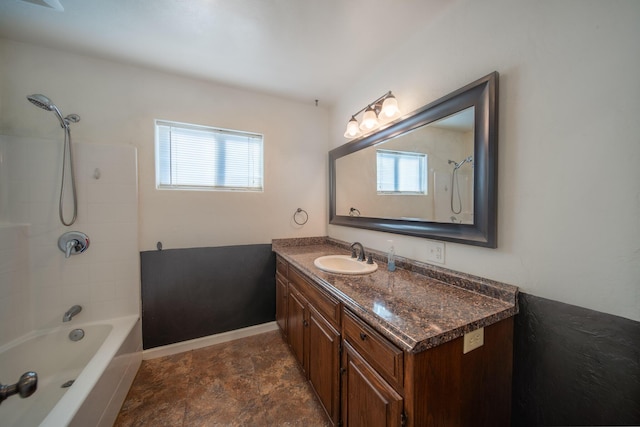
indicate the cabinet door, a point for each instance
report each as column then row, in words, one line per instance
column 367, row 399
column 324, row 363
column 281, row 303
column 296, row 325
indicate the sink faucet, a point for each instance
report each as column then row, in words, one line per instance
column 361, row 255
column 71, row 312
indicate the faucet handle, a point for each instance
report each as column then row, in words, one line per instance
column 73, row 243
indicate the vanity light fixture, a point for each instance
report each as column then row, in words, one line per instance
column 382, row 109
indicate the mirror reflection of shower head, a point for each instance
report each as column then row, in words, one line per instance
column 45, row 103
column 457, row 166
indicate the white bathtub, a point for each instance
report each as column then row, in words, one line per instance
column 103, row 365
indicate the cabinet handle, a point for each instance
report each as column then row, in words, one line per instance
column 305, row 323
column 363, row 336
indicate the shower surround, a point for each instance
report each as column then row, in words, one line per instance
column 37, row 283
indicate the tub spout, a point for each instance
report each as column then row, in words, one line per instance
column 71, row 312
column 26, row 386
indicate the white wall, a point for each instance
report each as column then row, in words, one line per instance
column 118, row 104
column 569, row 140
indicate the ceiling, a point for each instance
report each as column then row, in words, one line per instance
column 298, row 49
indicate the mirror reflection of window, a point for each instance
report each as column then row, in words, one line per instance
column 400, row 172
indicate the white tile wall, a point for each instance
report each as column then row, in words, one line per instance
column 15, row 305
column 105, row 279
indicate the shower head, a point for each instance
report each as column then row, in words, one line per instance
column 41, row 101
column 45, row 103
column 457, row 166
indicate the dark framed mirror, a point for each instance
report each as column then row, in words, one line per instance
column 431, row 173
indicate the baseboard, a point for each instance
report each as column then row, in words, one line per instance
column 168, row 350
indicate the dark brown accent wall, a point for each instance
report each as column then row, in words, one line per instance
column 574, row 366
column 195, row 292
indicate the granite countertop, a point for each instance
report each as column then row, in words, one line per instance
column 418, row 306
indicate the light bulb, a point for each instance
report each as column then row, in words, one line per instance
column 369, row 119
column 389, row 106
column 352, row 128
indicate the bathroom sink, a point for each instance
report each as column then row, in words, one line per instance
column 344, row 264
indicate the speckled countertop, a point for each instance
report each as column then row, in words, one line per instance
column 418, row 306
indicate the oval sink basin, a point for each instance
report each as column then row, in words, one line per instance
column 344, row 264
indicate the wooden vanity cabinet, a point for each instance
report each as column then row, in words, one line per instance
column 363, row 379
column 372, row 376
column 281, row 303
column 312, row 322
column 367, row 399
column 282, row 291
column 297, row 323
column 324, row 363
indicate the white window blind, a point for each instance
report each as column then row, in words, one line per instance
column 401, row 172
column 204, row 158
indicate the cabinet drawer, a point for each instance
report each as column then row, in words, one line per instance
column 385, row 357
column 282, row 266
column 328, row 306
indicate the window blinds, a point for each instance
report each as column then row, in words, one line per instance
column 401, row 172
column 198, row 157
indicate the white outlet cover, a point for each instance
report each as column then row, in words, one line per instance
column 473, row 340
column 435, row 252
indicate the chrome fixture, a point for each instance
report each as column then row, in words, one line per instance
column 45, row 103
column 455, row 185
column 457, row 166
column 361, row 256
column 69, row 314
column 383, row 108
column 73, row 243
column 26, row 386
column 76, row 334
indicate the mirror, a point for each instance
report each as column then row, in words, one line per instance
column 431, row 173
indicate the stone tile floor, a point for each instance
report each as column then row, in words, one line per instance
column 253, row 381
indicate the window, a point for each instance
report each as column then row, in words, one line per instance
column 192, row 157
column 401, row 172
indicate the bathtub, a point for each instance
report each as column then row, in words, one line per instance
column 103, row 365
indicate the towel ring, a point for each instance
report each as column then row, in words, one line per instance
column 300, row 211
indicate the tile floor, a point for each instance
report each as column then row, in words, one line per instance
column 253, row 381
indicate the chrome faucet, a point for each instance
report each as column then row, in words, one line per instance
column 71, row 312
column 361, row 255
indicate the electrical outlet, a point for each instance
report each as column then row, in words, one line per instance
column 473, row 340
column 435, row 252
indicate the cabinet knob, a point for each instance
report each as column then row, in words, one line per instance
column 305, row 323
column 363, row 336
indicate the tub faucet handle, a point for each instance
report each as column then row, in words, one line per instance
column 71, row 245
column 26, row 386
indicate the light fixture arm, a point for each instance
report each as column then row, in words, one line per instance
column 376, row 105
